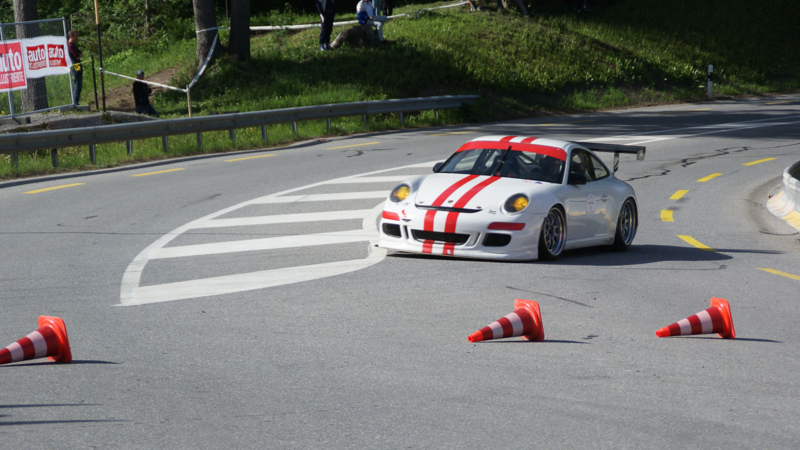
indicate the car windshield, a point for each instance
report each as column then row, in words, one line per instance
column 506, row 163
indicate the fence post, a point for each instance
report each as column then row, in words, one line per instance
column 710, row 73
column 54, row 157
column 264, row 134
column 165, row 143
column 189, row 100
column 200, row 141
column 92, row 154
column 129, row 147
column 232, row 135
column 94, row 83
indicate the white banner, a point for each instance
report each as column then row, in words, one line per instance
column 12, row 66
column 46, row 55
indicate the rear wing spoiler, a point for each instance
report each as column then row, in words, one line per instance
column 637, row 150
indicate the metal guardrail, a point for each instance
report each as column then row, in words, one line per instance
column 90, row 136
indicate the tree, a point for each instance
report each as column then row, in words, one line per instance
column 240, row 29
column 35, row 97
column 204, row 18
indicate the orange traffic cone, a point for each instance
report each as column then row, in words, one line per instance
column 49, row 340
column 716, row 319
column 525, row 321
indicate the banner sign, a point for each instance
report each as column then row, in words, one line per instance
column 45, row 56
column 12, row 66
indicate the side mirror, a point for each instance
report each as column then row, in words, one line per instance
column 576, row 178
column 437, row 166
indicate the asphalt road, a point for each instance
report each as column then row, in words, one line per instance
column 200, row 316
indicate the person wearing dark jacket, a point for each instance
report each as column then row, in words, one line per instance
column 326, row 12
column 141, row 91
column 75, row 55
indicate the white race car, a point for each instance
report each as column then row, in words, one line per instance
column 513, row 198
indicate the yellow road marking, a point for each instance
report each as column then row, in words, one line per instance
column 710, row 177
column 793, row 218
column 778, row 272
column 682, row 111
column 786, row 101
column 54, row 188
column 454, row 132
column 354, row 145
column 154, row 173
column 562, row 123
column 249, row 157
column 678, row 194
column 696, row 243
column 666, row 215
column 753, row 163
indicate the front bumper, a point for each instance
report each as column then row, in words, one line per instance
column 404, row 227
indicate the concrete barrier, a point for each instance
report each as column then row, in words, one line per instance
column 786, row 204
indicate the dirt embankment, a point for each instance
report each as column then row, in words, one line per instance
column 121, row 98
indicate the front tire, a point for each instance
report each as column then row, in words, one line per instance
column 553, row 235
column 627, row 224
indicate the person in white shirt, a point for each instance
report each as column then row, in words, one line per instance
column 366, row 15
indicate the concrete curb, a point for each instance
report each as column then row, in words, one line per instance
column 786, row 204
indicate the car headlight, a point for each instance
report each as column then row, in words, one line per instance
column 516, row 203
column 400, row 193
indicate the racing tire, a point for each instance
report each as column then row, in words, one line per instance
column 553, row 235
column 627, row 224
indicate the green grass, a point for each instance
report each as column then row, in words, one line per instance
column 623, row 53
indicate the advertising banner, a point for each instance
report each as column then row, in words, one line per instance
column 45, row 56
column 12, row 66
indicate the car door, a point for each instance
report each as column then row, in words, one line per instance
column 587, row 197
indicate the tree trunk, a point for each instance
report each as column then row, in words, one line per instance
column 204, row 18
column 240, row 29
column 35, row 97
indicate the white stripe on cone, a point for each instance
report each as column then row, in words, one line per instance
column 39, row 344
column 705, row 321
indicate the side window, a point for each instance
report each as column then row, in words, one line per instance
column 600, row 170
column 579, row 163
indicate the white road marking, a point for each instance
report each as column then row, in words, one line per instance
column 131, row 293
column 659, row 135
column 321, row 197
column 285, row 218
column 274, row 243
column 387, row 179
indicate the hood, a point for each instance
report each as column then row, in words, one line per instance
column 452, row 190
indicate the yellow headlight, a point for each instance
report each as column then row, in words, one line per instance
column 400, row 193
column 516, row 203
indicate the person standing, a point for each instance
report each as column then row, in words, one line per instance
column 76, row 70
column 141, row 91
column 326, row 13
column 367, row 15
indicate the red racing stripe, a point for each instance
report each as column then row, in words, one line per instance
column 430, row 215
column 555, row 152
column 452, row 217
column 528, row 140
column 507, row 138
